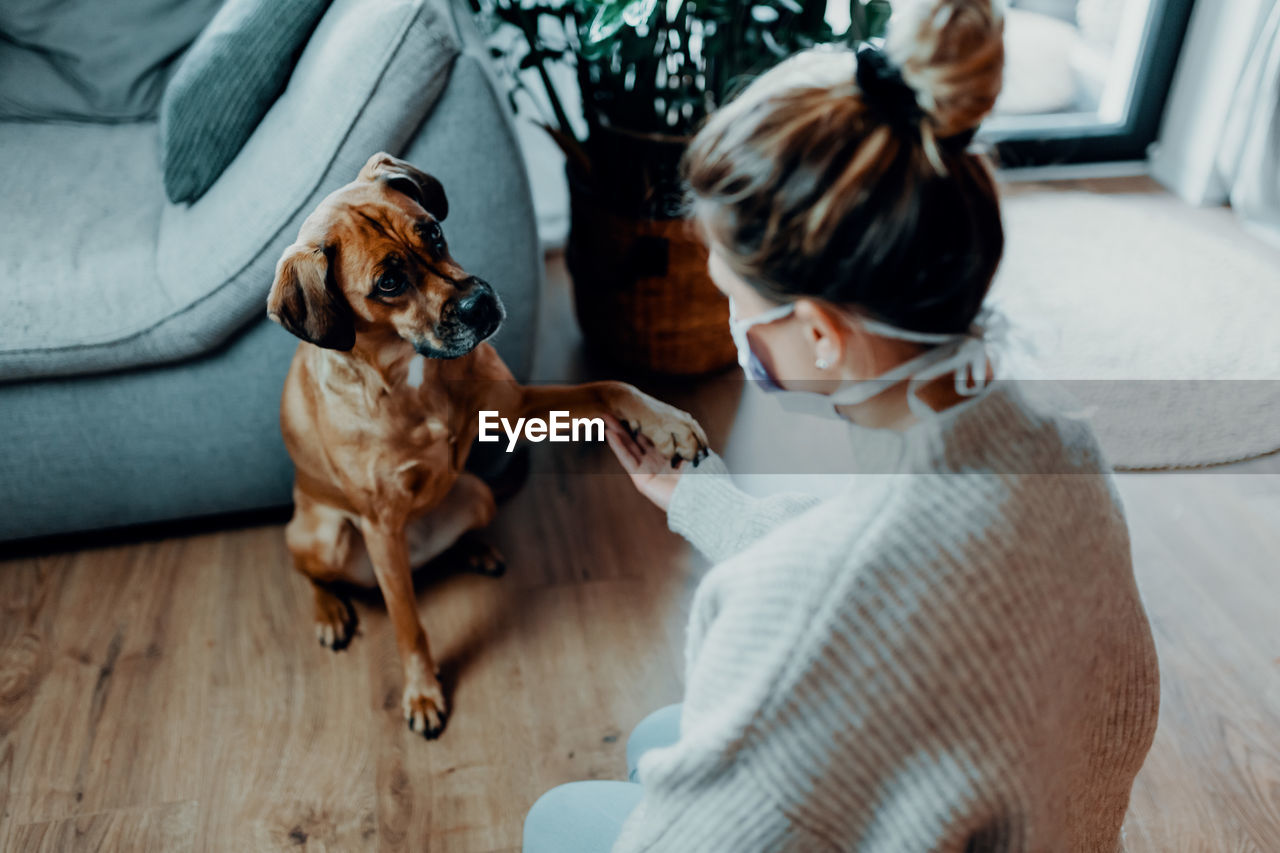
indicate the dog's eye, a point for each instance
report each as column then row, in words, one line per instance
column 433, row 235
column 390, row 284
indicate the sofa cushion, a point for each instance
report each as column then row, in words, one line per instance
column 160, row 281
column 92, row 59
column 77, row 253
column 224, row 85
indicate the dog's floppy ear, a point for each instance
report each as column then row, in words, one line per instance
column 407, row 179
column 306, row 301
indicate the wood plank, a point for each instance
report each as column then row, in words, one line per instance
column 104, row 657
column 1207, row 564
column 168, row 828
column 288, row 759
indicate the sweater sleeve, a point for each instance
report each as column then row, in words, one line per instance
column 719, row 518
column 709, row 792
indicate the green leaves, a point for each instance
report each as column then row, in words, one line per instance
column 658, row 66
column 638, row 12
column 878, row 12
column 612, row 15
column 868, row 19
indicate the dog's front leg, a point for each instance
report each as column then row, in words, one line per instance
column 424, row 705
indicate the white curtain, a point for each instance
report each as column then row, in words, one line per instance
column 1249, row 158
column 1220, row 139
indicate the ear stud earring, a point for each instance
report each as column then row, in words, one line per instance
column 822, row 364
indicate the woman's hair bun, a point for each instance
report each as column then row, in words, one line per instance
column 951, row 52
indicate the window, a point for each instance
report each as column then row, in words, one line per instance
column 1085, row 80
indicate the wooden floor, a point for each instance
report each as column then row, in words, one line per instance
column 169, row 695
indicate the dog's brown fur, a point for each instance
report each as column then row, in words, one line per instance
column 380, row 486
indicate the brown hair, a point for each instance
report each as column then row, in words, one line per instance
column 864, row 195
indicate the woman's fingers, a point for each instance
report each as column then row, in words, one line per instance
column 612, row 424
column 623, row 448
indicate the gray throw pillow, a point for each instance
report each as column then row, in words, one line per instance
column 99, row 60
column 224, row 86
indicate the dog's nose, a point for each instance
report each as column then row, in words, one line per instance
column 480, row 308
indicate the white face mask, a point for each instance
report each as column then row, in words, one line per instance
column 965, row 355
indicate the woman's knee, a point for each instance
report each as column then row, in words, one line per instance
column 659, row 729
column 579, row 817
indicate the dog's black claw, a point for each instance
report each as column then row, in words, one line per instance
column 700, row 455
column 434, row 732
column 676, row 460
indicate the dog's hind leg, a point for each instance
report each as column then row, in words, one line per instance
column 326, row 550
column 469, row 505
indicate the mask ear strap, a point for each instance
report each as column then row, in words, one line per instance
column 969, row 362
column 864, row 389
column 770, row 316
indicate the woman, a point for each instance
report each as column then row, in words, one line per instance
column 956, row 659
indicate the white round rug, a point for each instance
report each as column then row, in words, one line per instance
column 1164, row 324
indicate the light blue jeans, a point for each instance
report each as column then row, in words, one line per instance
column 586, row 817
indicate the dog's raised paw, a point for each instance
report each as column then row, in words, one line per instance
column 674, row 433
column 425, row 711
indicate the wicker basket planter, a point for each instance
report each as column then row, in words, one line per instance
column 639, row 268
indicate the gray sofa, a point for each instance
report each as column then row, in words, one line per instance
column 139, row 379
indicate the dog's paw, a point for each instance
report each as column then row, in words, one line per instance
column 335, row 621
column 472, row 555
column 673, row 432
column 424, row 708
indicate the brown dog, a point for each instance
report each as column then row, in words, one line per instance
column 378, row 446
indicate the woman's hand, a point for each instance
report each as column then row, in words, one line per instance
column 652, row 473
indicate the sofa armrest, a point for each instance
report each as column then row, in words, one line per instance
column 368, row 76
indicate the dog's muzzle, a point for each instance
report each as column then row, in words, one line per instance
column 466, row 322
column 481, row 310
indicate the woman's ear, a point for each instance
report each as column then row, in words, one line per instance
column 827, row 332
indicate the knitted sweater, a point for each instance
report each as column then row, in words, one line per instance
column 953, row 657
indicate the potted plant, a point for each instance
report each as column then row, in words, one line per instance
column 648, row 72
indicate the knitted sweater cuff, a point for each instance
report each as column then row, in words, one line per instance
column 707, row 509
